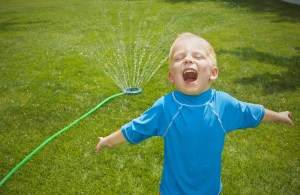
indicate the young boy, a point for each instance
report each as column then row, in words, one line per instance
column 193, row 121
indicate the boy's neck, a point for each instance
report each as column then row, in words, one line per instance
column 193, row 100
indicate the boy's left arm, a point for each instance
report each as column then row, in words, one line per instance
column 282, row 117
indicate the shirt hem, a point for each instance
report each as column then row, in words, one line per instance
column 124, row 132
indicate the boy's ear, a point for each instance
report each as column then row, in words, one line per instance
column 171, row 80
column 214, row 73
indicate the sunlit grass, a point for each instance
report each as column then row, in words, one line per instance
column 50, row 75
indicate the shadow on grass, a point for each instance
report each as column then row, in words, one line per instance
column 284, row 10
column 270, row 82
column 19, row 25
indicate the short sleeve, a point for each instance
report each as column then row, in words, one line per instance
column 145, row 126
column 236, row 114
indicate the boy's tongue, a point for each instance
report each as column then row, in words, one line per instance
column 189, row 76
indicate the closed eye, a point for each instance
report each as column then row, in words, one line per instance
column 178, row 58
column 198, row 57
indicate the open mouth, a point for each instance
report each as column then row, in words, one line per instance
column 189, row 75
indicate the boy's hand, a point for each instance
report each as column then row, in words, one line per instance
column 111, row 140
column 103, row 143
column 280, row 117
column 286, row 117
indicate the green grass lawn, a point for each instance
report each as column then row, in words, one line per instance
column 52, row 73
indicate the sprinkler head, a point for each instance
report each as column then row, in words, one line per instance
column 132, row 90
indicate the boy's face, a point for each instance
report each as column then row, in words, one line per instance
column 192, row 66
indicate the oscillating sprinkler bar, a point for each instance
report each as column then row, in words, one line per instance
column 132, row 90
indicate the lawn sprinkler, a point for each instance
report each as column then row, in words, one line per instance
column 132, row 90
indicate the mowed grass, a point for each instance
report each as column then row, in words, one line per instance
column 50, row 76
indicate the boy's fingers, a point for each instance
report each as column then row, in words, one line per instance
column 290, row 122
column 99, row 144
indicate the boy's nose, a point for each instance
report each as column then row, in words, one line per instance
column 188, row 60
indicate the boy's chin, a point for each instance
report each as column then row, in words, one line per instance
column 192, row 88
column 190, row 91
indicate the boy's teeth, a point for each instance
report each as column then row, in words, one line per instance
column 190, row 75
column 189, row 70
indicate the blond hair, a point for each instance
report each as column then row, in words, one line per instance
column 187, row 35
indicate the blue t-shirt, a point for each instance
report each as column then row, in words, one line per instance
column 193, row 129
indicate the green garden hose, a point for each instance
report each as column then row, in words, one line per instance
column 4, row 180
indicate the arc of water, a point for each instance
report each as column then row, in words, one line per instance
column 137, row 58
column 113, row 66
column 155, row 58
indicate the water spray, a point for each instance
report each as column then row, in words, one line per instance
column 127, row 91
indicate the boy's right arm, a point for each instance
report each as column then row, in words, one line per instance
column 111, row 140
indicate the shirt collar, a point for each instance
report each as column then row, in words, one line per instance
column 193, row 100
